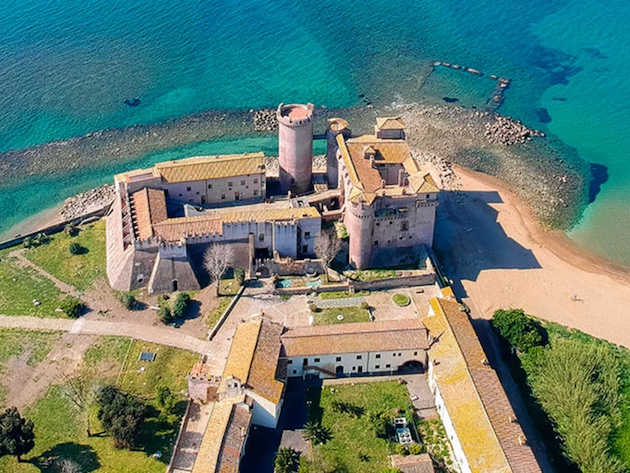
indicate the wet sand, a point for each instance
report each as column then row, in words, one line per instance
column 498, row 255
column 43, row 219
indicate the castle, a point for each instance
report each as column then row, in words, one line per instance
column 164, row 217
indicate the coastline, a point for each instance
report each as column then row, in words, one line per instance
column 43, row 219
column 499, row 257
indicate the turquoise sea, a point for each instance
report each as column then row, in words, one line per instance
column 66, row 69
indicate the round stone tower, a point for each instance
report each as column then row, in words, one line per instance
column 359, row 221
column 295, row 140
column 336, row 126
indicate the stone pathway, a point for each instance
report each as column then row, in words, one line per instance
column 192, row 433
column 343, row 302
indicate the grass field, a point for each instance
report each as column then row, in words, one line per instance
column 342, row 294
column 350, row 315
column 78, row 270
column 355, row 447
column 60, row 428
column 216, row 313
column 20, row 286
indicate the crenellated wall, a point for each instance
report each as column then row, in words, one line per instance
column 336, row 126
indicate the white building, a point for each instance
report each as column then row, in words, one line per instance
column 328, row 351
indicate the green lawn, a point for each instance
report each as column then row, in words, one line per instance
column 60, row 428
column 20, row 286
column 169, row 369
column 355, row 447
column 342, row 294
column 370, row 274
column 228, row 287
column 216, row 313
column 78, row 270
column 350, row 315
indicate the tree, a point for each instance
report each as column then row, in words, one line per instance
column 415, row 449
column 327, row 246
column 69, row 466
column 180, row 305
column 165, row 399
column 75, row 248
column 218, row 258
column 81, row 391
column 287, row 460
column 316, row 433
column 520, row 330
column 165, row 315
column 72, row 307
column 239, row 276
column 121, row 415
column 16, row 434
column 127, row 299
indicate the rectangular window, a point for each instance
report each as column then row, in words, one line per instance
column 294, row 371
column 338, row 358
column 230, row 183
column 376, row 367
column 359, row 357
column 304, row 248
column 256, row 181
column 354, row 368
column 209, row 186
column 307, row 234
column 317, row 360
column 222, row 196
column 393, row 354
column 290, row 362
column 404, row 226
column 305, row 362
column 388, row 366
column 188, row 189
column 243, row 182
column 378, row 355
column 375, row 242
column 255, row 191
column 415, row 353
column 237, row 196
column 261, row 237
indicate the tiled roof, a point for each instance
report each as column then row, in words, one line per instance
column 150, row 208
column 253, row 359
column 223, row 438
column 210, row 167
column 413, row 463
column 474, row 398
column 390, row 123
column 361, row 337
column 211, row 221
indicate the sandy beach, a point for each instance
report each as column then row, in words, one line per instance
column 43, row 219
column 499, row 257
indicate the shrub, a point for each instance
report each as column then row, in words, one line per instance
column 72, row 307
column 121, row 415
column 165, row 315
column 415, row 449
column 379, row 422
column 127, row 299
column 520, row 331
column 28, row 242
column 287, row 460
column 70, row 230
column 180, row 305
column 165, row 399
column 401, row 300
column 391, row 470
column 312, row 308
column 75, row 248
column 400, row 449
column 364, row 305
column 239, row 275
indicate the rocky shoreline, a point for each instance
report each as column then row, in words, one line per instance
column 547, row 175
column 87, row 202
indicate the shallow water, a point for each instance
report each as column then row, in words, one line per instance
column 67, row 68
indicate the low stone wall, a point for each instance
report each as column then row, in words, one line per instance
column 293, row 291
column 291, row 267
column 425, row 279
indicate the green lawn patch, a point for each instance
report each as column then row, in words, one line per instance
column 169, row 369
column 228, row 287
column 107, row 350
column 342, row 294
column 216, row 313
column 401, row 300
column 350, row 315
column 20, row 286
column 355, row 447
column 370, row 274
column 79, row 270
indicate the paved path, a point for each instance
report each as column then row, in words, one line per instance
column 341, row 302
column 162, row 335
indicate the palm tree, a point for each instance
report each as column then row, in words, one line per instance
column 287, row 460
column 316, row 432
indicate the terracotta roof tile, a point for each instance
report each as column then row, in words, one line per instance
column 390, row 123
column 210, row 167
column 149, row 207
column 413, row 463
column 355, row 338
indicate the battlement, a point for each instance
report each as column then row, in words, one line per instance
column 295, row 115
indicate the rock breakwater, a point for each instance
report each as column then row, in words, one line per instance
column 88, row 201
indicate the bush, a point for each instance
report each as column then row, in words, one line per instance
column 391, row 470
column 165, row 315
column 180, row 305
column 121, row 415
column 239, row 275
column 165, row 399
column 72, row 307
column 127, row 299
column 415, row 449
column 520, row 330
column 312, row 308
column 75, row 248
column 28, row 242
column 400, row 449
column 401, row 300
column 364, row 305
column 71, row 230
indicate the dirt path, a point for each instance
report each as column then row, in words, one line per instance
column 25, row 262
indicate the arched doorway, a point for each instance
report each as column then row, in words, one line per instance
column 262, row 272
column 411, row 366
column 174, row 285
column 339, row 370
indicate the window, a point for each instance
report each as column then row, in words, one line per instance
column 237, row 196
column 359, row 357
column 256, row 181
column 209, row 186
column 388, row 366
column 261, row 237
column 354, row 368
column 390, row 222
column 290, row 362
column 404, row 226
column 378, row 355
column 393, row 354
column 378, row 224
column 338, row 358
column 230, row 184
column 415, row 353
column 376, row 367
column 375, row 242
column 222, row 196
column 188, row 189
column 428, row 196
column 305, row 362
column 180, row 195
column 255, row 191
column 304, row 248
column 307, row 234
column 294, row 371
column 197, row 193
column 243, row 182
column 317, row 360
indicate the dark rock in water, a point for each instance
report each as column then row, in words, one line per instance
column 361, row 96
column 599, row 176
column 543, row 115
column 134, row 102
column 559, row 99
column 450, row 99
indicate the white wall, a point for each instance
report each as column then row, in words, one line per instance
column 265, row 413
column 216, row 191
